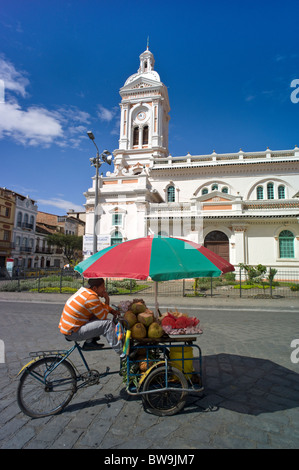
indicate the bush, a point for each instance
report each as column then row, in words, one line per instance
column 229, row 277
column 294, row 287
column 56, row 290
column 124, row 284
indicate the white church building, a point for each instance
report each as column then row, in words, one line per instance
column 243, row 206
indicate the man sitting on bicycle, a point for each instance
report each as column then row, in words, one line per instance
column 84, row 317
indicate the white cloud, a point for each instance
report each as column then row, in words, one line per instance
column 36, row 125
column 33, row 126
column 60, row 204
column 13, row 80
column 249, row 98
column 106, row 114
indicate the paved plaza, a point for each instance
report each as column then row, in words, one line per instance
column 251, row 379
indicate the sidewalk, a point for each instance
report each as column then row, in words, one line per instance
column 167, row 301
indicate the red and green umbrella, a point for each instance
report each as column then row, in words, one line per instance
column 158, row 257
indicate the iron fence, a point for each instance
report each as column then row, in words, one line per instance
column 285, row 283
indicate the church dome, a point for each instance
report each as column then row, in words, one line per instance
column 146, row 68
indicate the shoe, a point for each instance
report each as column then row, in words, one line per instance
column 92, row 346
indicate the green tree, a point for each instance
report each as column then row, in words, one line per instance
column 70, row 244
column 255, row 273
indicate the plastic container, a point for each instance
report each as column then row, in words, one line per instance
column 182, row 359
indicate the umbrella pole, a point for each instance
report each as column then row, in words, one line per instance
column 156, row 300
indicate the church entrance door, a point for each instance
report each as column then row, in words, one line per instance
column 218, row 242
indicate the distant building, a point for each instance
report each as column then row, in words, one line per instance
column 243, row 206
column 47, row 224
column 23, row 250
column 24, row 231
column 7, row 217
column 46, row 255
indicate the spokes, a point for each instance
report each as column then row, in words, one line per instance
column 45, row 389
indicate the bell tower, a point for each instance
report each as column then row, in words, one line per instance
column 144, row 116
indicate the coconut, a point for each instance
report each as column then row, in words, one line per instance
column 144, row 365
column 138, row 307
column 145, row 318
column 138, row 331
column 130, row 318
column 155, row 330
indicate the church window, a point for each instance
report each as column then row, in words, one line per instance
column 281, row 192
column 215, row 187
column 136, row 136
column 116, row 219
column 145, row 135
column 270, row 191
column 260, row 192
column 286, row 244
column 170, row 194
column 225, row 190
column 204, row 191
column 116, row 238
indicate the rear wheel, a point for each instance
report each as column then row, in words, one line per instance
column 167, row 402
column 45, row 390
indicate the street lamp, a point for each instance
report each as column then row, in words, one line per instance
column 104, row 157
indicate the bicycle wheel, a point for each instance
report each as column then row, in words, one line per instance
column 44, row 390
column 168, row 402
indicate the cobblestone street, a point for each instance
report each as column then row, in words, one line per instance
column 251, row 396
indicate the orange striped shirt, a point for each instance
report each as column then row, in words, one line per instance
column 79, row 310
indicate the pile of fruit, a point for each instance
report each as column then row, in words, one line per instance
column 177, row 323
column 141, row 320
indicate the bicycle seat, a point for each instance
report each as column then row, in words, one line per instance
column 68, row 339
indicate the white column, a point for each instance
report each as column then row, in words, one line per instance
column 240, row 244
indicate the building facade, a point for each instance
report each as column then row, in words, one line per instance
column 47, row 224
column 24, row 232
column 243, row 206
column 7, row 217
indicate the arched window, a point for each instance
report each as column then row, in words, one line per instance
column 215, row 187
column 19, row 219
column 286, row 244
column 281, row 192
column 270, row 191
column 136, row 136
column 224, row 190
column 260, row 192
column 145, row 136
column 116, row 238
column 25, row 223
column 204, row 191
column 170, row 194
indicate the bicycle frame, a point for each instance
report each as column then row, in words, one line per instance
column 63, row 355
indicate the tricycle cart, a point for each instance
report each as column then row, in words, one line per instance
column 167, row 377
column 163, row 372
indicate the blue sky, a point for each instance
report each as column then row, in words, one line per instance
column 228, row 66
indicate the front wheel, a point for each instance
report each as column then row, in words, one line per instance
column 167, row 402
column 45, row 388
